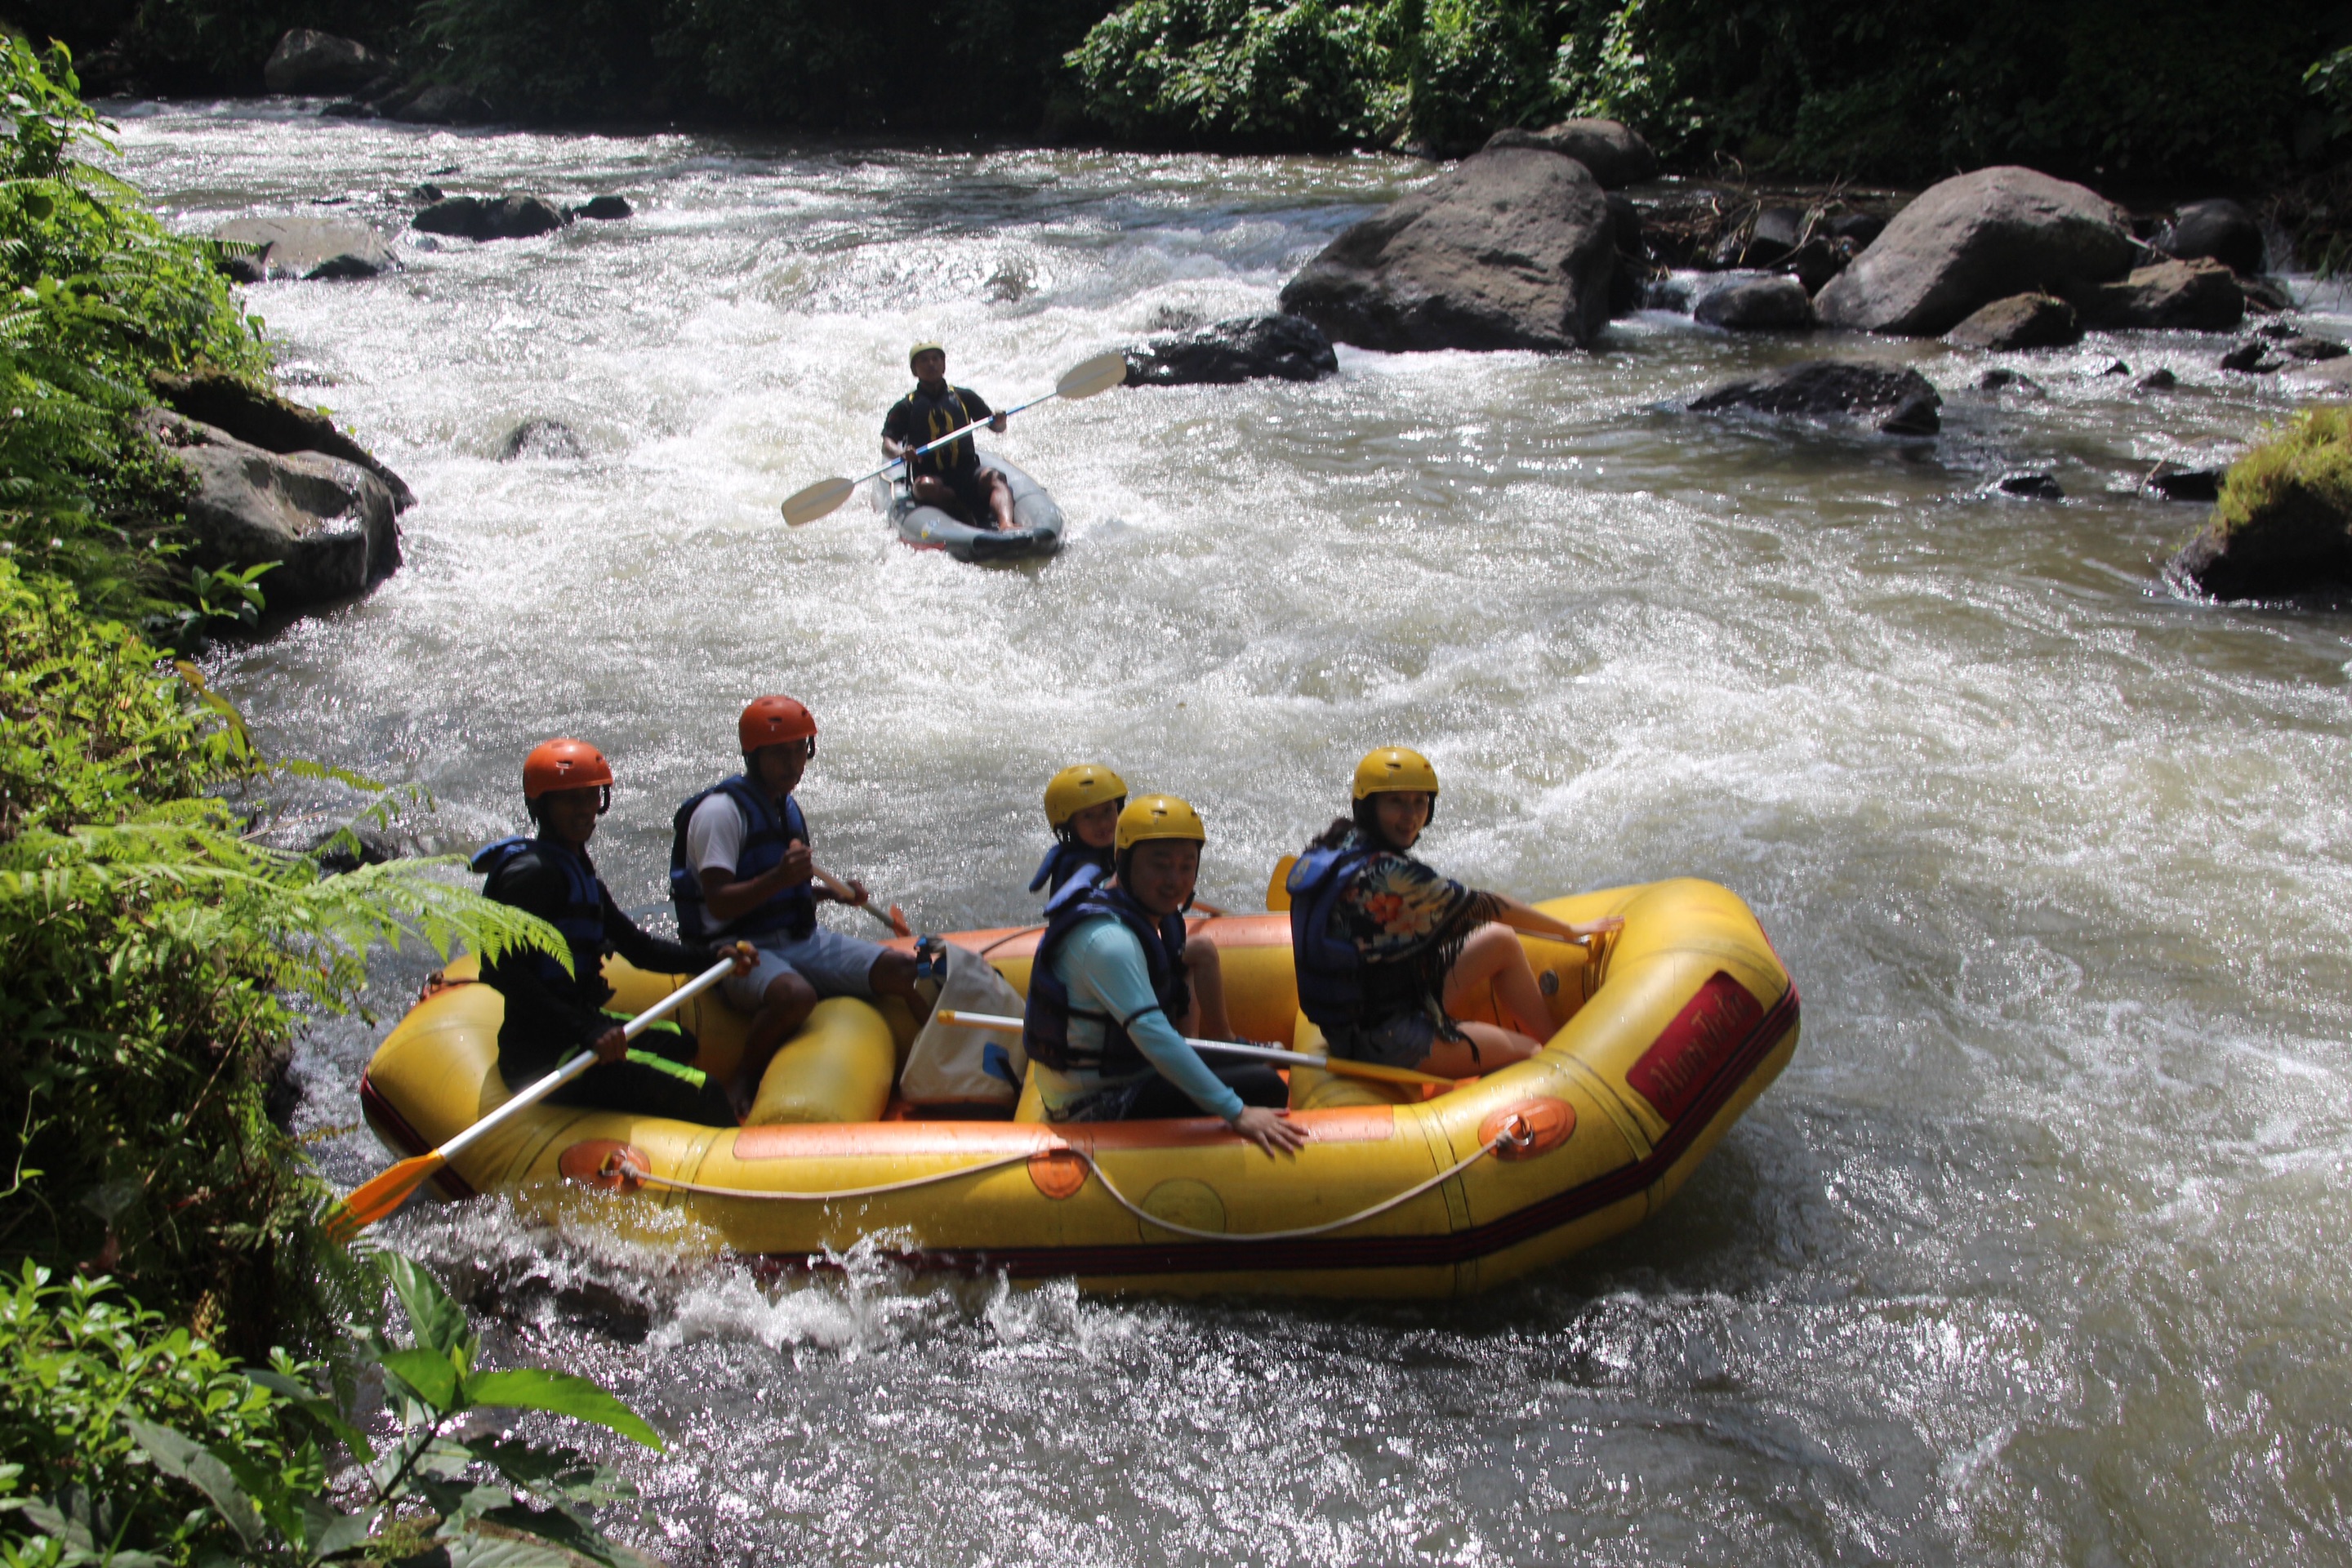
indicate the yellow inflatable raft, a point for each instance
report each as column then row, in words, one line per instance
column 1664, row 1037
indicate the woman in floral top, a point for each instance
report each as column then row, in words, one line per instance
column 1386, row 947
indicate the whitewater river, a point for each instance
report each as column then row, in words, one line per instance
column 2035, row 1253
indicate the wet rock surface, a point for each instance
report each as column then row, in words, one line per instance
column 1513, row 248
column 308, row 61
column 2031, row 486
column 1285, row 348
column 2020, row 321
column 2198, row 296
column 490, row 217
column 274, row 424
column 2174, row 481
column 2220, row 229
column 1973, row 239
column 1896, row 402
column 310, row 248
column 603, row 209
column 1753, row 305
column 1615, row 154
column 541, row 439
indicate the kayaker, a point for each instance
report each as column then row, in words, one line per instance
column 1109, row 1001
column 553, row 1015
column 1082, row 808
column 740, row 868
column 1385, row 947
column 951, row 476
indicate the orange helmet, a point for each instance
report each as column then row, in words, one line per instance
column 563, row 764
column 772, row 720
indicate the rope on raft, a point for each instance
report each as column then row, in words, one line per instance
column 1515, row 1134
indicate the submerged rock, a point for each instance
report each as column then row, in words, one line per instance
column 2251, row 357
column 2282, row 525
column 502, row 217
column 2156, row 380
column 541, row 439
column 327, row 524
column 1614, row 153
column 2174, row 481
column 2031, row 486
column 2310, row 349
column 604, row 209
column 2001, row 379
column 308, row 61
column 1248, row 348
column 2186, row 296
column 1977, row 238
column 1512, row 248
column 2020, row 321
column 310, row 248
column 274, row 424
column 2218, row 229
column 1897, row 401
column 1762, row 304
column 439, row 104
column 1777, row 233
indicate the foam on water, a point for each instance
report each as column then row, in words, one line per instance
column 2035, row 1253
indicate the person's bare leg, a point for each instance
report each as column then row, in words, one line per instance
column 1493, row 953
column 932, row 491
column 1207, row 1019
column 893, row 974
column 1000, row 500
column 1497, row 1048
column 783, row 1007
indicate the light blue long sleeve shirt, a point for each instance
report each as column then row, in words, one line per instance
column 1102, row 966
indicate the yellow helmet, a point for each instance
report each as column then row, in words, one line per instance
column 1073, row 790
column 1158, row 817
column 919, row 350
column 1394, row 768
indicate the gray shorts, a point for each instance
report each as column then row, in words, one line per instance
column 833, row 964
column 1399, row 1042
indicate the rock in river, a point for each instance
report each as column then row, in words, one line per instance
column 1973, row 239
column 2186, row 296
column 1757, row 304
column 312, row 246
column 2220, row 229
column 506, row 217
column 308, row 61
column 1512, row 248
column 1615, row 154
column 2283, row 523
column 541, row 439
column 2020, row 321
column 327, row 524
column 1248, row 348
column 272, row 422
column 1898, row 402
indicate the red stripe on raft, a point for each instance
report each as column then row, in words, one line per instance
column 380, row 1114
column 1387, row 1251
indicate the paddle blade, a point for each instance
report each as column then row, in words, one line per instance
column 1277, row 887
column 1100, row 374
column 898, row 922
column 819, row 499
column 374, row 1199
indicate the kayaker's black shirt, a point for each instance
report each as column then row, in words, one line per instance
column 921, row 416
column 545, row 1021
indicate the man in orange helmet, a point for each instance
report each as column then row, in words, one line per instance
column 740, row 869
column 552, row 1014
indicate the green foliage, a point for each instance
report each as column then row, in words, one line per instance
column 2306, row 466
column 94, row 295
column 1477, row 66
column 220, row 46
column 1246, row 72
column 133, row 1441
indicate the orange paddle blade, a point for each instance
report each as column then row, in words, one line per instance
column 378, row 1197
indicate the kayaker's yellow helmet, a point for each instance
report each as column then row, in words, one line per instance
column 919, row 350
column 1394, row 768
column 1073, row 789
column 1154, row 816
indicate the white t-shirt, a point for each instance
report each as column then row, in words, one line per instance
column 714, row 835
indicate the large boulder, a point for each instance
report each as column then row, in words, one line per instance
column 2194, row 296
column 272, row 422
column 312, row 246
column 504, row 217
column 1249, row 348
column 1776, row 304
column 307, row 61
column 2221, row 230
column 327, row 524
column 1973, row 239
column 1512, row 248
column 2284, row 524
column 2020, row 321
column 1898, row 402
column 440, row 104
column 1615, row 154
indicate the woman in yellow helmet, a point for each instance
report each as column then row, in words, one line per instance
column 1110, row 997
column 1383, row 945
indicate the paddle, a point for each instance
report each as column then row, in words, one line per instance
column 379, row 1198
column 1336, row 1067
column 894, row 919
column 1100, row 374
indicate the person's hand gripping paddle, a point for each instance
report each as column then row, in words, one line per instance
column 377, row 1198
column 1100, row 374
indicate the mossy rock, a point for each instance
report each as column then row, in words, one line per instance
column 2284, row 524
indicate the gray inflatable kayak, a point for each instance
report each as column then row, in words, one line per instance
column 1036, row 523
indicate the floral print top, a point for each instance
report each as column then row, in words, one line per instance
column 1409, row 924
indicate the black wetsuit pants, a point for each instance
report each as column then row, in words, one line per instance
column 657, row 1078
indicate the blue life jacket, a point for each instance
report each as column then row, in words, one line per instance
column 1331, row 969
column 581, row 920
column 1045, row 1026
column 1064, row 861
column 765, row 837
